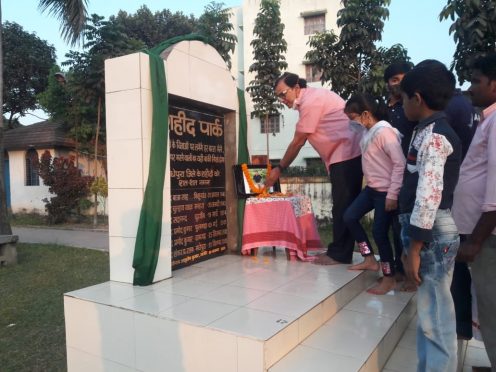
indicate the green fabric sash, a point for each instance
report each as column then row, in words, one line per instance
column 147, row 244
column 243, row 157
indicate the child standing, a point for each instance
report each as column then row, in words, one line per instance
column 383, row 164
column 430, row 237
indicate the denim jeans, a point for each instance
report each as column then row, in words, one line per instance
column 436, row 325
column 370, row 199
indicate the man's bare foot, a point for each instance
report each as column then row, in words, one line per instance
column 324, row 259
column 369, row 263
column 408, row 286
column 387, row 284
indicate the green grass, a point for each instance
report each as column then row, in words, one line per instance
column 28, row 219
column 36, row 219
column 32, row 331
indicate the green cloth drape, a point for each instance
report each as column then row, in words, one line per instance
column 147, row 244
column 243, row 157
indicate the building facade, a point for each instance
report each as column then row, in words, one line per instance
column 302, row 19
column 24, row 147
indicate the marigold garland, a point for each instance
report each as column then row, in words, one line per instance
column 260, row 191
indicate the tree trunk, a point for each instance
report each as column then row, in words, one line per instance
column 266, row 125
column 5, row 228
column 97, row 134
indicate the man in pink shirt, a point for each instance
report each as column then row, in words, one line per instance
column 322, row 122
column 474, row 206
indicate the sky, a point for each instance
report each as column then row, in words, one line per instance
column 413, row 23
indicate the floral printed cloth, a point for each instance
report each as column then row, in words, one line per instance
column 301, row 204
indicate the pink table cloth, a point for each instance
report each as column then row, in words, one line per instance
column 281, row 222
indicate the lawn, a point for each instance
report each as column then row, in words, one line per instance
column 32, row 331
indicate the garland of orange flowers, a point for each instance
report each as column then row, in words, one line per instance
column 260, row 191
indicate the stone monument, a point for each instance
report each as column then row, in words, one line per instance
column 197, row 221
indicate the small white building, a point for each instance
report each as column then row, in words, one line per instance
column 24, row 146
column 302, row 19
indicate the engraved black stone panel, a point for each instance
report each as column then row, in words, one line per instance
column 197, row 179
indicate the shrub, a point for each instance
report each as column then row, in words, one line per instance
column 66, row 182
column 314, row 170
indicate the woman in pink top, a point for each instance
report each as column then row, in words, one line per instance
column 324, row 125
column 383, row 164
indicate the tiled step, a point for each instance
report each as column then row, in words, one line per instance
column 360, row 337
column 227, row 314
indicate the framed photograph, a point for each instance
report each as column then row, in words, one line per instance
column 258, row 173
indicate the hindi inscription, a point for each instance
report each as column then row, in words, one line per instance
column 197, row 172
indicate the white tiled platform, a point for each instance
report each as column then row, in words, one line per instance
column 237, row 314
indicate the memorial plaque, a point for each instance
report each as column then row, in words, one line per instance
column 197, row 171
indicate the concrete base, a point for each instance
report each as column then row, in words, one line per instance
column 8, row 250
column 231, row 313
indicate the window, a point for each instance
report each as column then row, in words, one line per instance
column 313, row 73
column 273, row 124
column 32, row 177
column 314, row 23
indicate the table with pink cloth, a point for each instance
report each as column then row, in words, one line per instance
column 282, row 221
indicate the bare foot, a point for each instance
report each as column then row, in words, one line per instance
column 408, row 286
column 324, row 259
column 387, row 284
column 367, row 264
column 398, row 276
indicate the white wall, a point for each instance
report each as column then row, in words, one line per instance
column 22, row 197
column 30, row 198
column 297, row 47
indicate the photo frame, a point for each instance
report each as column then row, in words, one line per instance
column 258, row 173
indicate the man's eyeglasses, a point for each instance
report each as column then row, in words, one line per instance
column 282, row 95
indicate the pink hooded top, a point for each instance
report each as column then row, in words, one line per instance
column 383, row 162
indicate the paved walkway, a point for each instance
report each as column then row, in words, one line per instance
column 92, row 239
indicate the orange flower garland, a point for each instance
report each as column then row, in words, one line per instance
column 260, row 191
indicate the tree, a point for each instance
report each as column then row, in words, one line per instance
column 85, row 78
column 215, row 25
column 268, row 55
column 72, row 13
column 64, row 180
column 75, row 99
column 346, row 60
column 151, row 28
column 87, row 74
column 27, row 63
column 373, row 82
column 5, row 228
column 474, row 32
column 56, row 100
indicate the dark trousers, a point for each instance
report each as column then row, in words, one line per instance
column 370, row 199
column 346, row 182
column 398, row 245
column 462, row 298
